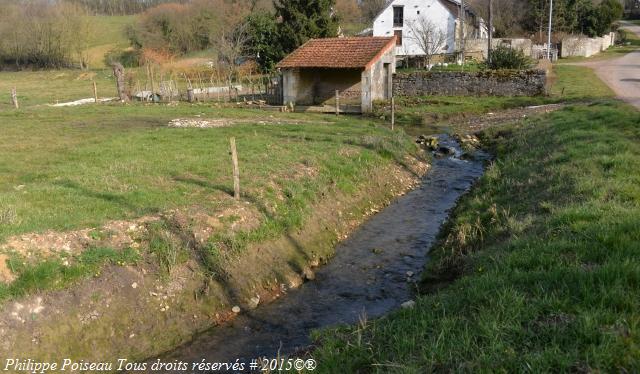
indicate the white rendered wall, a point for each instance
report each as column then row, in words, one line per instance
column 433, row 10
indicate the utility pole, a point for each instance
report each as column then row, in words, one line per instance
column 462, row 36
column 550, row 25
column 490, row 30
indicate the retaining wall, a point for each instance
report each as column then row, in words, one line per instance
column 486, row 83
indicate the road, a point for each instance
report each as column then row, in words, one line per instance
column 622, row 74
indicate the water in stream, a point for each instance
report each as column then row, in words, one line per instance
column 367, row 276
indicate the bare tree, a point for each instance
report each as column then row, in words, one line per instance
column 428, row 36
column 231, row 48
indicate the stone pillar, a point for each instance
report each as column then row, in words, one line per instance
column 367, row 100
column 290, row 84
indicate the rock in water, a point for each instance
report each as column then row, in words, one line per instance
column 447, row 151
column 429, row 142
column 254, row 302
column 408, row 305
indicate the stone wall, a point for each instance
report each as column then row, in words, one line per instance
column 482, row 45
column 580, row 46
column 485, row 83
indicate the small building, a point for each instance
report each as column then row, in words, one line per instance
column 360, row 68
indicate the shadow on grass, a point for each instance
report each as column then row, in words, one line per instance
column 108, row 197
column 262, row 208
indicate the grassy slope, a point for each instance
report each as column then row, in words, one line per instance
column 544, row 253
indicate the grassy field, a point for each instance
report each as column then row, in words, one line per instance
column 539, row 268
column 54, row 86
column 73, row 168
column 76, row 167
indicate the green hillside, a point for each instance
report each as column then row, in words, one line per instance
column 109, row 34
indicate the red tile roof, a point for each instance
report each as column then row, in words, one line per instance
column 352, row 52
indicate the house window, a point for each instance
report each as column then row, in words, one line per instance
column 398, row 16
column 398, row 34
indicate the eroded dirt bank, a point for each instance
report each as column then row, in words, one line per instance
column 134, row 312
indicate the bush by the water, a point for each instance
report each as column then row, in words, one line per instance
column 509, row 58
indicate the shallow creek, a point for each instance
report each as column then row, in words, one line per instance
column 372, row 273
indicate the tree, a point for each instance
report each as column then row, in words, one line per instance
column 231, row 47
column 348, row 11
column 428, row 36
column 301, row 20
column 371, row 8
column 508, row 15
column 44, row 34
column 263, row 40
column 609, row 11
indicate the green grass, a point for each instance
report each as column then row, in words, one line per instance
column 71, row 168
column 53, row 86
column 110, row 30
column 54, row 273
column 80, row 167
column 578, row 83
column 77, row 167
column 109, row 34
column 539, row 268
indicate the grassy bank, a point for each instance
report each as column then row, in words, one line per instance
column 76, row 168
column 539, row 270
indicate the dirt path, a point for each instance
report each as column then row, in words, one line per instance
column 621, row 74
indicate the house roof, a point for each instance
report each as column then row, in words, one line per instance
column 346, row 53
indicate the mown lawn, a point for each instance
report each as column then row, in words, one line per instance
column 539, row 268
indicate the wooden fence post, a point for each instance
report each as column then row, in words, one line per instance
column 393, row 113
column 14, row 98
column 236, row 170
column 95, row 92
column 119, row 73
column 337, row 102
column 190, row 95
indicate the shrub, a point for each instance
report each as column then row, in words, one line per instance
column 509, row 58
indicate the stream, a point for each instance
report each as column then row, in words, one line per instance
column 372, row 273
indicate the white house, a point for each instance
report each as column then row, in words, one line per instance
column 397, row 18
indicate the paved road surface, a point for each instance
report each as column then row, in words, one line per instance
column 622, row 74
